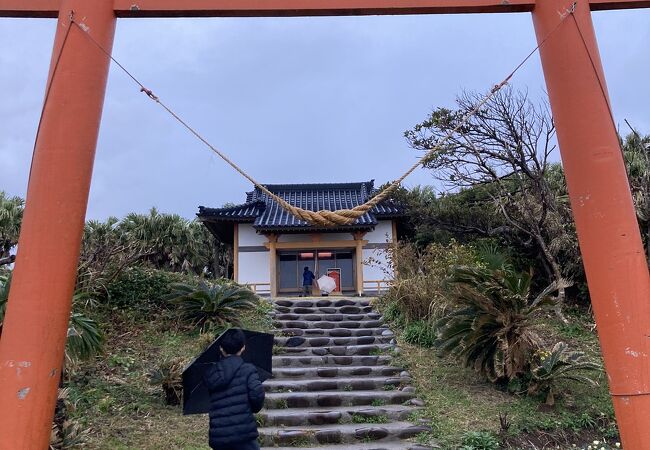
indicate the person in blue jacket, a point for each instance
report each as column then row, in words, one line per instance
column 307, row 280
column 236, row 394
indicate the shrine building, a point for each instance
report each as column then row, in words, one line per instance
column 271, row 247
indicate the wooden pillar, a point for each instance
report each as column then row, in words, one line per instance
column 273, row 266
column 36, row 323
column 235, row 253
column 608, row 233
column 358, row 239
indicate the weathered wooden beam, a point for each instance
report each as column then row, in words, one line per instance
column 601, row 5
column 281, row 8
column 29, row 8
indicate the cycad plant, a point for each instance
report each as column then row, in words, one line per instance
column 84, row 337
column 212, row 305
column 169, row 376
column 549, row 369
column 490, row 328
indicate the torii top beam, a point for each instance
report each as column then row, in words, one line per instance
column 286, row 8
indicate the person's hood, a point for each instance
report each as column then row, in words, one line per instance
column 225, row 371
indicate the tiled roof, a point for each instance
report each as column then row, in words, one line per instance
column 267, row 215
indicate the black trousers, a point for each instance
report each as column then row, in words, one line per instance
column 250, row 445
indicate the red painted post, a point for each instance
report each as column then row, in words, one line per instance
column 35, row 327
column 608, row 232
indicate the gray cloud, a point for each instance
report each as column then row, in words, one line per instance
column 291, row 100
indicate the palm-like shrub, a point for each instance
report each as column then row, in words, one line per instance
column 490, row 328
column 548, row 369
column 66, row 434
column 212, row 305
column 84, row 337
column 169, row 376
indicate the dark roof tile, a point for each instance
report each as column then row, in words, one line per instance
column 267, row 215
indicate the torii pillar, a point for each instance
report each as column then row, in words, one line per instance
column 33, row 339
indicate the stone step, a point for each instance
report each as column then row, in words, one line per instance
column 347, row 309
column 284, row 400
column 383, row 445
column 334, row 317
column 319, row 416
column 336, row 332
column 319, row 302
column 338, row 434
column 320, row 361
column 338, row 350
column 300, row 341
column 327, row 324
column 337, row 371
column 338, row 383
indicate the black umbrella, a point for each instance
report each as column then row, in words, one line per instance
column 259, row 351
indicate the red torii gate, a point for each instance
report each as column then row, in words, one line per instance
column 34, row 334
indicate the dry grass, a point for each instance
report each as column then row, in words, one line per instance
column 458, row 400
column 113, row 396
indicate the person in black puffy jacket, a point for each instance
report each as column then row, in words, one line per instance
column 236, row 394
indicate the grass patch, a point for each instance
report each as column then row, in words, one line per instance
column 358, row 418
column 112, row 394
column 458, row 400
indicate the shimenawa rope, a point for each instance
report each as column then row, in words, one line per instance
column 326, row 218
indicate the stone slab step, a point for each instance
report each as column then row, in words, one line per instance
column 328, row 324
column 326, row 341
column 336, row 332
column 319, row 416
column 333, row 317
column 347, row 309
column 337, row 350
column 382, row 445
column 336, row 371
column 319, row 302
column 333, row 384
column 339, row 434
column 320, row 361
column 285, row 400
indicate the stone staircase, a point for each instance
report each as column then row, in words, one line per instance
column 334, row 386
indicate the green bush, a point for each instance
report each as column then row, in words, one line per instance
column 84, row 337
column 419, row 333
column 418, row 289
column 5, row 283
column 490, row 327
column 142, row 288
column 213, row 305
column 548, row 369
column 479, row 440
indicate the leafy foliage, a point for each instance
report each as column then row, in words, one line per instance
column 170, row 242
column 418, row 287
column 213, row 305
column 479, row 440
column 143, row 288
column 5, row 284
column 11, row 216
column 84, row 337
column 66, row 434
column 169, row 376
column 490, row 327
column 419, row 333
column 560, row 364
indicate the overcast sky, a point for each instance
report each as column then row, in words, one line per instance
column 280, row 95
